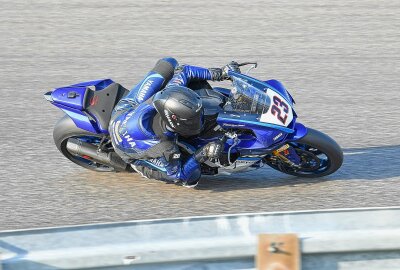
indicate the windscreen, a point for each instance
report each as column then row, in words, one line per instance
column 246, row 98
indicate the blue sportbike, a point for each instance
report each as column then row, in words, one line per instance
column 255, row 119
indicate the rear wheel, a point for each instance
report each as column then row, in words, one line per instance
column 66, row 129
column 319, row 156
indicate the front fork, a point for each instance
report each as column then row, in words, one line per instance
column 286, row 150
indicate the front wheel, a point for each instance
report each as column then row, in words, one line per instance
column 320, row 155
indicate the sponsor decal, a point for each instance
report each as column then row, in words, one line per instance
column 157, row 162
column 121, row 133
column 147, row 85
column 244, row 161
column 167, row 114
column 278, row 136
column 143, row 91
column 127, row 117
column 132, row 144
column 232, row 125
column 253, row 156
column 176, row 156
column 129, row 139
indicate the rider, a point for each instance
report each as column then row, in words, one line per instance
column 146, row 122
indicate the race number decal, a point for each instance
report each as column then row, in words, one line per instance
column 280, row 112
column 280, row 109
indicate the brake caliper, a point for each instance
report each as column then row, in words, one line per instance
column 287, row 154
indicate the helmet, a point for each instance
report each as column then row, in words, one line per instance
column 181, row 109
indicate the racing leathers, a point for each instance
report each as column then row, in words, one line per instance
column 142, row 138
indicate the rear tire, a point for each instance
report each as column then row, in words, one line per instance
column 65, row 129
column 326, row 154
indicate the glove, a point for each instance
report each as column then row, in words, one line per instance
column 232, row 66
column 210, row 150
column 220, row 74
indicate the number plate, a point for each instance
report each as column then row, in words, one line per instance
column 280, row 112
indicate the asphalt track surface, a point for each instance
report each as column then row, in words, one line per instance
column 339, row 59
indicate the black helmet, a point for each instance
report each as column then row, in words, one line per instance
column 181, row 109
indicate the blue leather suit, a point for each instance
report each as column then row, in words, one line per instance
column 139, row 135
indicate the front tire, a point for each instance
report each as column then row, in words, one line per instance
column 66, row 129
column 320, row 156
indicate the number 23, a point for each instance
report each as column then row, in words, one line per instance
column 276, row 109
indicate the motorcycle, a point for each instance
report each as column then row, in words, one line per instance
column 255, row 119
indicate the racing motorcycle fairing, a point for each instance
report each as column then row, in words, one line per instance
column 273, row 84
column 244, row 82
column 89, row 104
column 299, row 132
column 263, row 85
column 261, row 112
column 280, row 88
column 264, row 109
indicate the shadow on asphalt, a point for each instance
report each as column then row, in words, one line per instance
column 370, row 163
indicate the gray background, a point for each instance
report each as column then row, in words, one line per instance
column 339, row 59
